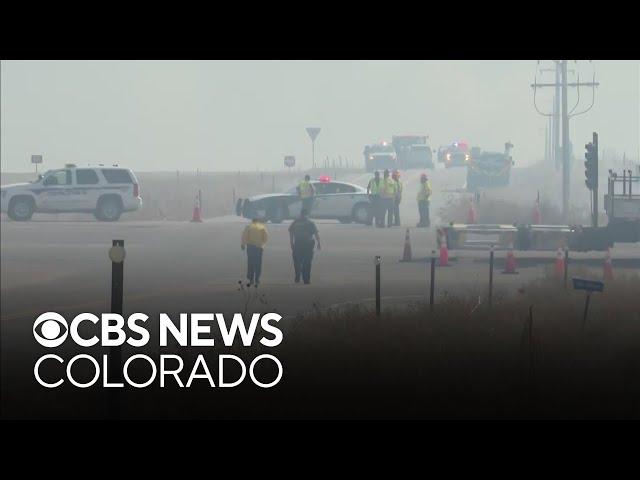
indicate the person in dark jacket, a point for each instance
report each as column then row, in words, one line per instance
column 303, row 235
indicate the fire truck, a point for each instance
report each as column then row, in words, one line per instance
column 412, row 151
column 489, row 169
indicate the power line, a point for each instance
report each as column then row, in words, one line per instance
column 562, row 84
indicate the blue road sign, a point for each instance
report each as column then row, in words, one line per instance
column 588, row 285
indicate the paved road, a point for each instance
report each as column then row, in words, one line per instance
column 182, row 266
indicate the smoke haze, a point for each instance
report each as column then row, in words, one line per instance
column 246, row 115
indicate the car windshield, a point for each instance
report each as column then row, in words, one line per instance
column 41, row 176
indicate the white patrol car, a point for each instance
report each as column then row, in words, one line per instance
column 341, row 201
column 104, row 191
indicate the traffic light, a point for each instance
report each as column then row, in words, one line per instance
column 591, row 166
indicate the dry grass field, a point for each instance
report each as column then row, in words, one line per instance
column 497, row 211
column 529, row 356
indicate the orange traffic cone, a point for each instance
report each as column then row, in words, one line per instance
column 472, row 216
column 406, row 255
column 444, row 251
column 560, row 264
column 196, row 210
column 608, row 268
column 510, row 266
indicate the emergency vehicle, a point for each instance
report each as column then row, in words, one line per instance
column 380, row 156
column 489, row 169
column 454, row 155
column 341, row 201
column 412, row 151
column 106, row 192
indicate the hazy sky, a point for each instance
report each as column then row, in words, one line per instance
column 239, row 115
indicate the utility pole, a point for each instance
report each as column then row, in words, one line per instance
column 561, row 87
column 556, row 120
column 566, row 166
column 547, row 154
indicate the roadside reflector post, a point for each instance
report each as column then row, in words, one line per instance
column 491, row 255
column 116, row 255
column 378, row 261
column 528, row 334
column 566, row 266
column 433, row 278
column 586, row 311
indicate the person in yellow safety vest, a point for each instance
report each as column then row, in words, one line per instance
column 388, row 198
column 424, row 198
column 254, row 238
column 306, row 192
column 398, row 199
column 373, row 190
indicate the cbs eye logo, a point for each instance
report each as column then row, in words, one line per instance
column 50, row 329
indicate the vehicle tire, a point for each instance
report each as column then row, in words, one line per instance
column 345, row 220
column 109, row 209
column 278, row 214
column 21, row 209
column 360, row 213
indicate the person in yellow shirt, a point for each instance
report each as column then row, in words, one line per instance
column 398, row 199
column 373, row 190
column 388, row 198
column 424, row 198
column 254, row 238
column 306, row 192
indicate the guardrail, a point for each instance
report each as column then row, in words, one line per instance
column 461, row 236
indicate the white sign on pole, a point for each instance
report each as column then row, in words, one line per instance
column 289, row 161
column 36, row 158
column 313, row 132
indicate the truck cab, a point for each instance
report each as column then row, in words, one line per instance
column 413, row 151
column 489, row 169
column 454, row 155
column 380, row 156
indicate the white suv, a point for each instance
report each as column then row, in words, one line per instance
column 104, row 191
